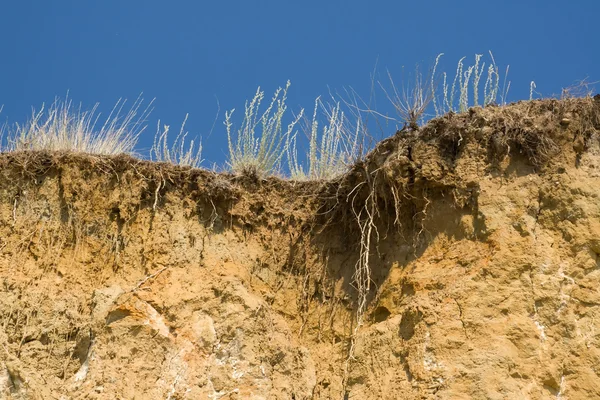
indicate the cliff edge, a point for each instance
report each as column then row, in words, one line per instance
column 459, row 260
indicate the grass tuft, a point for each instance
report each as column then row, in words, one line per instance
column 63, row 127
column 331, row 149
column 179, row 153
column 411, row 100
column 260, row 154
column 455, row 98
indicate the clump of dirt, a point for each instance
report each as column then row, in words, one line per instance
column 457, row 260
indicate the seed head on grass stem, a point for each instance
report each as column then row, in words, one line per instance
column 332, row 147
column 260, row 154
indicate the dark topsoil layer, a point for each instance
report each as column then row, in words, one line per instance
column 545, row 133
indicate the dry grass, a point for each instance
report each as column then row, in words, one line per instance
column 259, row 155
column 455, row 97
column 332, row 149
column 411, row 100
column 423, row 95
column 63, row 127
column 179, row 153
column 581, row 89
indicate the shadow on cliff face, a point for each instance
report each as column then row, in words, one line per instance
column 421, row 183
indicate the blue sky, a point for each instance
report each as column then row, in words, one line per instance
column 189, row 55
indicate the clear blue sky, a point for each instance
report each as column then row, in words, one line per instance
column 188, row 54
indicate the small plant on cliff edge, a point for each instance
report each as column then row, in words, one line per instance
column 455, row 98
column 179, row 153
column 260, row 155
column 64, row 128
column 412, row 100
column 330, row 152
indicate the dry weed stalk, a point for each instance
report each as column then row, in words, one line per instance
column 581, row 89
column 412, row 101
column 147, row 278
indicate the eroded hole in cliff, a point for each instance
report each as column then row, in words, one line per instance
column 381, row 314
column 410, row 319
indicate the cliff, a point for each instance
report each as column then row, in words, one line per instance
column 460, row 260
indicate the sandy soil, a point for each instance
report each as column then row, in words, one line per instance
column 457, row 261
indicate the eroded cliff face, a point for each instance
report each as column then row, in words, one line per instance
column 479, row 234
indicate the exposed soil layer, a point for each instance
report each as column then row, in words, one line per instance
column 460, row 260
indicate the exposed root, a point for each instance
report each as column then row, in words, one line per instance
column 422, row 225
column 15, row 211
column 147, row 278
column 365, row 218
column 173, row 389
column 160, row 185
